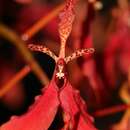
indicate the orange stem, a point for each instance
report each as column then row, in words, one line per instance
column 11, row 83
column 111, row 110
column 42, row 22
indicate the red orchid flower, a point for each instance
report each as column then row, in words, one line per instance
column 59, row 96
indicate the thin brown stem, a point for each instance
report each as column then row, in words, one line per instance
column 111, row 110
column 11, row 83
column 12, row 37
column 42, row 22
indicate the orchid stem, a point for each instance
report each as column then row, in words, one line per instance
column 42, row 22
column 11, row 83
column 111, row 110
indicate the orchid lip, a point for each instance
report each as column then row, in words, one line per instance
column 60, row 73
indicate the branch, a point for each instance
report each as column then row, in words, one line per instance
column 20, row 45
column 11, row 83
column 42, row 22
column 111, row 110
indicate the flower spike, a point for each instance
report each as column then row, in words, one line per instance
column 79, row 53
column 65, row 25
column 43, row 49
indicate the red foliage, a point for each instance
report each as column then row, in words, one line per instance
column 116, row 54
column 97, row 88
